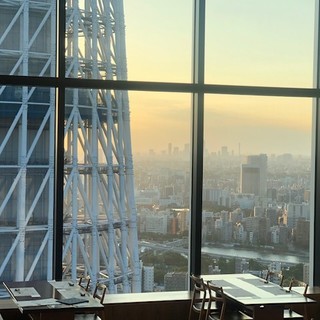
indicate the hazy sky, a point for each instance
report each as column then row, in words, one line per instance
column 248, row 42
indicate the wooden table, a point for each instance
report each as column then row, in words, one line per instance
column 40, row 299
column 266, row 299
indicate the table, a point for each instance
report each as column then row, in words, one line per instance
column 41, row 298
column 266, row 299
column 313, row 293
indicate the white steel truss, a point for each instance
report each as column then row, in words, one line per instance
column 100, row 227
column 27, row 47
column 100, row 216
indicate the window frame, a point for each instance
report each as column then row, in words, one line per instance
column 198, row 89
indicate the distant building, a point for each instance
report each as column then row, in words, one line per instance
column 227, row 232
column 240, row 234
column 275, row 234
column 301, row 233
column 176, row 281
column 259, row 211
column 273, row 215
column 253, row 177
column 295, row 211
column 236, row 215
column 224, row 151
column 272, row 194
column 241, row 266
column 214, row 269
column 147, row 278
column 279, row 234
column 147, row 198
column 217, row 196
column 156, row 223
column 243, row 200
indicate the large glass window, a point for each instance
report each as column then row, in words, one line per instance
column 97, row 161
column 126, row 203
column 27, row 182
column 161, row 153
column 257, row 185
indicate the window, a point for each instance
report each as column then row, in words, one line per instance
column 260, row 43
column 118, row 158
column 257, row 185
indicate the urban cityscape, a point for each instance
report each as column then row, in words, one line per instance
column 256, row 214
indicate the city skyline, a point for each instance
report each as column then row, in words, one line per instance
column 284, row 127
column 249, row 55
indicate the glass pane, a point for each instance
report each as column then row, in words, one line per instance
column 161, row 151
column 27, row 38
column 257, row 185
column 108, row 32
column 111, row 199
column 95, row 48
column 159, row 40
column 27, row 180
column 100, row 227
column 252, row 42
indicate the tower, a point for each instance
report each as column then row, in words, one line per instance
column 100, row 231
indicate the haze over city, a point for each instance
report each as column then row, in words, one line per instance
column 277, row 126
column 249, row 55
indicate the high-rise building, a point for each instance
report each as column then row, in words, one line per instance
column 100, row 231
column 254, row 175
column 147, row 278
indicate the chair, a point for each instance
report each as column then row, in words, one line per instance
column 84, row 282
column 297, row 283
column 297, row 313
column 217, row 296
column 99, row 292
column 199, row 300
column 275, row 276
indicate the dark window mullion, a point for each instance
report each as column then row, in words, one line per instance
column 59, row 138
column 315, row 240
column 197, row 138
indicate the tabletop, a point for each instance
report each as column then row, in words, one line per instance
column 46, row 295
column 251, row 290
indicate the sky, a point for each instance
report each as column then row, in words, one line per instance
column 249, row 42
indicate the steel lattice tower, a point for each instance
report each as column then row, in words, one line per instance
column 100, row 227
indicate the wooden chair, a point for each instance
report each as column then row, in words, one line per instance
column 275, row 276
column 217, row 296
column 99, row 293
column 199, row 300
column 297, row 283
column 84, row 282
column 294, row 312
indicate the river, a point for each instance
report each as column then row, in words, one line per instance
column 265, row 255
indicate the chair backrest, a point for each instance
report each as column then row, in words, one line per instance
column 297, row 283
column 84, row 282
column 198, row 297
column 275, row 276
column 100, row 291
column 216, row 295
